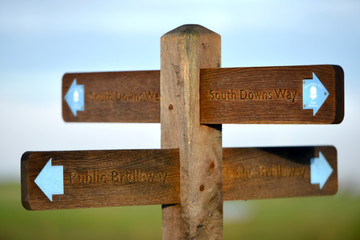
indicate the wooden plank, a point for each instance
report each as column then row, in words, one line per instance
column 135, row 96
column 102, row 178
column 115, row 97
column 248, row 173
column 200, row 215
column 269, row 95
column 277, row 172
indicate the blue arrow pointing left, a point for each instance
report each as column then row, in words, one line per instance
column 75, row 97
column 320, row 170
column 314, row 94
column 51, row 180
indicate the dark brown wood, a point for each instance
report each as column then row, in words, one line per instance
column 104, row 178
column 200, row 214
column 116, row 97
column 254, row 95
column 135, row 96
column 276, row 172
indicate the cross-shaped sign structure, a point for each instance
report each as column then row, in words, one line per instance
column 191, row 175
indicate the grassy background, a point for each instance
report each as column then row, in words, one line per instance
column 334, row 217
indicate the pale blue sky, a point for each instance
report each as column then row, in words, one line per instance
column 41, row 40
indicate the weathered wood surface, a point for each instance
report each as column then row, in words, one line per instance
column 276, row 172
column 104, row 178
column 268, row 95
column 135, row 96
column 200, row 214
column 115, row 97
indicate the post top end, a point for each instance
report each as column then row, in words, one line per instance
column 190, row 29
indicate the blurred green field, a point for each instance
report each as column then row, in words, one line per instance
column 335, row 217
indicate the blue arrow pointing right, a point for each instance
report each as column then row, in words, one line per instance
column 320, row 170
column 75, row 97
column 314, row 94
column 51, row 180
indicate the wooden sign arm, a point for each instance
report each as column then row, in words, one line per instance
column 247, row 95
column 145, row 177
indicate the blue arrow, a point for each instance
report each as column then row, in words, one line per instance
column 314, row 94
column 75, row 97
column 51, row 180
column 320, row 170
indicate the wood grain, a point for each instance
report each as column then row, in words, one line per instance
column 254, row 95
column 200, row 214
column 104, row 178
column 277, row 172
column 136, row 96
column 116, row 97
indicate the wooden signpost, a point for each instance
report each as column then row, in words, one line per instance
column 191, row 175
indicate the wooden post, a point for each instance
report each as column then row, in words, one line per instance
column 184, row 51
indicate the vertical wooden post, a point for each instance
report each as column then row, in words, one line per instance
column 184, row 51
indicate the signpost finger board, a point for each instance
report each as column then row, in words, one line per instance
column 266, row 95
column 257, row 95
column 112, row 97
column 83, row 179
column 277, row 172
